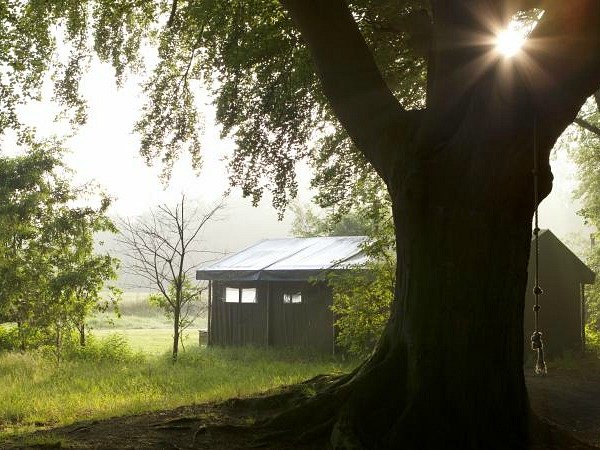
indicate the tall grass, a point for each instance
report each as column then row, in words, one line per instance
column 108, row 378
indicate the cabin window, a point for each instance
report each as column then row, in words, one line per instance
column 292, row 297
column 249, row 295
column 232, row 295
column 237, row 295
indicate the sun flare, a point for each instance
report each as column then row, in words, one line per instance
column 509, row 42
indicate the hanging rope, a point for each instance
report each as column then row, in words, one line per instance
column 536, row 338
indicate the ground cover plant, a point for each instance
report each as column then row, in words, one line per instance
column 107, row 378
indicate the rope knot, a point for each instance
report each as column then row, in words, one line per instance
column 536, row 340
column 538, row 345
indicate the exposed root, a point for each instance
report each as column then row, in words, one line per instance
column 301, row 414
column 287, row 396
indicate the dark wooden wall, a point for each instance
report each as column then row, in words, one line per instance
column 308, row 324
column 560, row 313
column 238, row 323
column 270, row 321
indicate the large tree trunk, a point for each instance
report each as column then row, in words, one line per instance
column 448, row 372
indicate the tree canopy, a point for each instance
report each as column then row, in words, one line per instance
column 267, row 96
column 51, row 276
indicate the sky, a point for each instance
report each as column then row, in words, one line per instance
column 106, row 150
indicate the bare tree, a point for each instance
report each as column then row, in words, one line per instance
column 161, row 249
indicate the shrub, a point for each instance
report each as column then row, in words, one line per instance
column 8, row 337
column 361, row 304
column 113, row 347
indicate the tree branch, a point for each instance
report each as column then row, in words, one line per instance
column 173, row 13
column 352, row 81
column 563, row 62
column 587, row 126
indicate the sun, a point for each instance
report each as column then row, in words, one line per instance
column 509, row 42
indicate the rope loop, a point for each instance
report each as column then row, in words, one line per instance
column 537, row 344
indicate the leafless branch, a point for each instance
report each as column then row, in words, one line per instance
column 158, row 249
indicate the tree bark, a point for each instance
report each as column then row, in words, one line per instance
column 81, row 329
column 448, row 372
column 176, row 314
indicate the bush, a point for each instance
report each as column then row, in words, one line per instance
column 361, row 304
column 114, row 347
column 8, row 337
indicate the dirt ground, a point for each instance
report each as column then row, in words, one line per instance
column 569, row 399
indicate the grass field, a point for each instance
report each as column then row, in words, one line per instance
column 151, row 341
column 143, row 326
column 100, row 382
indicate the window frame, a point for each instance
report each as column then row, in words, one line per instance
column 255, row 298
column 292, row 295
column 239, row 293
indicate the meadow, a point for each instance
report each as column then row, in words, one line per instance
column 127, row 370
column 143, row 326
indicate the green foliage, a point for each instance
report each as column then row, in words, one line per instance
column 361, row 304
column 592, row 338
column 8, row 337
column 585, row 151
column 592, row 294
column 266, row 92
column 113, row 348
column 50, row 276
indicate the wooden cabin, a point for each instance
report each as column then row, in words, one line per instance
column 274, row 293
column 562, row 277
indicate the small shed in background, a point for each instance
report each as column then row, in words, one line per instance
column 267, row 294
column 562, row 277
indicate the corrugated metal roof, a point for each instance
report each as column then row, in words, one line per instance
column 287, row 259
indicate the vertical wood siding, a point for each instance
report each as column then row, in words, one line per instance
column 271, row 322
column 238, row 323
column 307, row 324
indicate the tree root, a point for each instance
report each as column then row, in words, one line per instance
column 369, row 408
